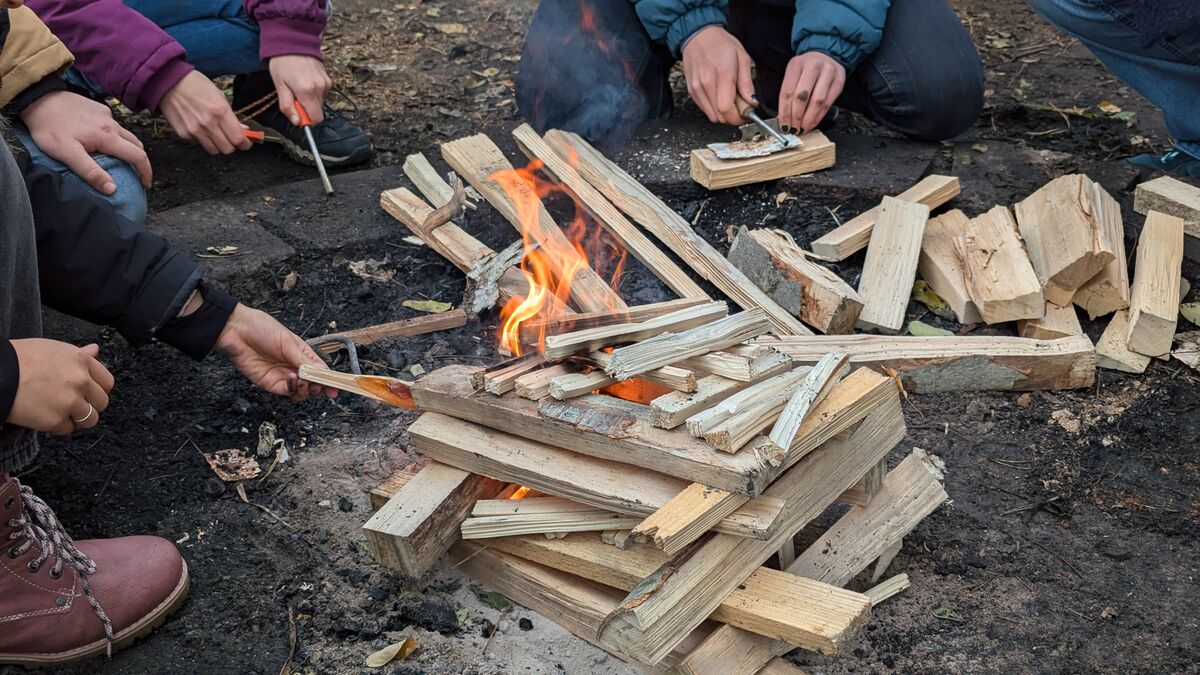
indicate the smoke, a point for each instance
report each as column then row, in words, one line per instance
column 580, row 70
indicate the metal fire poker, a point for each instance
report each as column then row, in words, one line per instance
column 306, row 122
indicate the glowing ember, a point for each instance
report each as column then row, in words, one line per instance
column 520, row 493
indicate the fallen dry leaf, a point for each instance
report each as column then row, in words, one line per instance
column 289, row 282
column 451, row 28
column 371, row 270
column 399, row 650
column 1067, row 420
column 1108, row 107
column 232, row 464
column 431, row 306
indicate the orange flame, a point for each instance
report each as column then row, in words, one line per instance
column 549, row 266
column 520, row 493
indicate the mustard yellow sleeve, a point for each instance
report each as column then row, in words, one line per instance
column 30, row 54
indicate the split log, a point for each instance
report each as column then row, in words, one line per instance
column 663, row 350
column 1108, row 291
column 420, row 522
column 677, row 597
column 817, row 384
column 1000, row 279
column 1058, row 322
column 1173, row 197
column 576, row 604
column 572, row 385
column 672, row 377
column 671, row 229
column 862, row 492
column 813, row 294
column 887, row 589
column 766, row 602
column 592, row 339
column 599, row 483
column 609, row 217
column 1067, row 243
column 817, row 152
column 942, row 268
column 909, row 495
column 687, row 517
column 1154, row 295
column 673, row 409
column 1112, row 349
column 419, row 325
column 477, row 159
column 854, row 235
column 537, row 327
column 891, row 265
column 535, row 385
column 589, row 520
column 739, row 362
column 772, row 389
column 884, row 561
column 735, row 432
column 959, row 363
column 504, row 379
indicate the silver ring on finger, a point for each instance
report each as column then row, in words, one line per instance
column 91, row 411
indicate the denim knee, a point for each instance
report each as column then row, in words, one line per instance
column 129, row 199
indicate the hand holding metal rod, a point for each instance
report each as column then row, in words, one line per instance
column 746, row 110
column 306, row 123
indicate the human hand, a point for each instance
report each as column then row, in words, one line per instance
column 61, row 388
column 304, row 78
column 69, row 127
column 268, row 354
column 198, row 111
column 811, row 85
column 717, row 69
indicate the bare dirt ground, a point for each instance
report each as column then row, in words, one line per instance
column 1070, row 544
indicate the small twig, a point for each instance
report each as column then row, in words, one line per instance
column 495, row 629
column 1064, row 560
column 287, row 664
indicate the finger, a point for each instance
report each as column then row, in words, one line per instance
column 131, row 154
column 726, row 99
column 81, row 164
column 130, row 136
column 64, row 428
column 84, row 415
column 745, row 82
column 790, row 78
column 287, row 104
column 704, row 99
column 96, row 396
column 803, row 94
column 314, row 106
column 202, row 138
column 819, row 104
column 100, row 374
column 92, row 350
column 234, row 132
column 216, row 138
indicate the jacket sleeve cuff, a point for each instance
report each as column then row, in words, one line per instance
column 282, row 36
column 10, row 377
column 196, row 334
column 838, row 49
column 686, row 25
column 26, row 98
column 158, row 84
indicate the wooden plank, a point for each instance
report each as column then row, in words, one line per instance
column 908, row 496
column 781, row 667
column 381, row 493
column 591, row 339
column 942, row 268
column 421, row 520
column 576, row 604
column 769, row 390
column 673, row 409
column 1058, row 322
column 593, row 520
column 418, row 325
column 535, row 385
column 665, row 349
column 1000, row 279
column 862, row 492
column 739, row 362
column 609, row 217
column 527, row 506
column 670, row 229
column 887, row 589
column 1067, row 243
column 891, row 265
column 477, row 159
column 811, row 614
column 672, row 377
column 816, row 152
column 503, row 379
column 1108, row 291
column 816, row 386
column 735, row 432
column 1170, row 196
column 959, row 363
column 427, row 180
column 813, row 294
column 669, row 603
column 541, row 326
column 1112, row 349
column 600, row 483
column 854, row 235
column 687, row 516
column 1154, row 294
column 885, row 560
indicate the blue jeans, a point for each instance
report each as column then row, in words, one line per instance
column 219, row 39
column 1167, row 72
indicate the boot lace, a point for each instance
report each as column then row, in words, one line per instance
column 40, row 526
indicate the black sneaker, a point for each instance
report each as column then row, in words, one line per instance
column 1176, row 161
column 341, row 142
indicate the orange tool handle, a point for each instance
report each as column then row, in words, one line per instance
column 255, row 136
column 305, row 120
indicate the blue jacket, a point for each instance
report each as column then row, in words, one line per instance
column 847, row 30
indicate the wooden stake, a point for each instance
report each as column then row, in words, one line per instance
column 1067, row 243
column 687, row 516
column 421, row 520
column 477, row 159
column 593, row 339
column 942, row 268
column 663, row 350
column 1173, row 197
column 773, row 261
column 854, row 235
column 1154, row 295
column 999, row 276
column 673, row 409
column 820, row 380
column 968, row 363
column 891, row 265
column 671, row 229
column 609, row 217
column 1108, row 291
column 1059, row 322
column 1112, row 349
column 714, row 173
